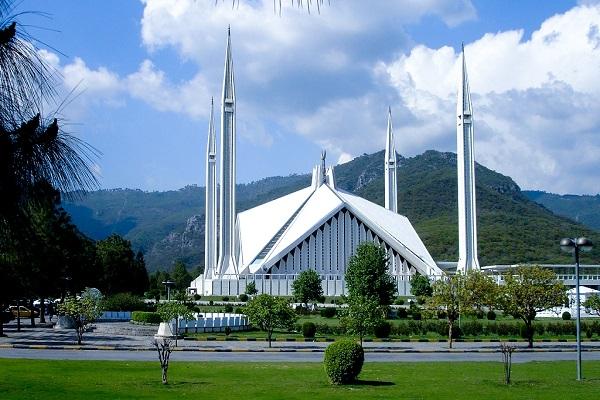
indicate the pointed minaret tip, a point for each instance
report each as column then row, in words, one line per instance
column 228, row 30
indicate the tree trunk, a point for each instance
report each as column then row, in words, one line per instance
column 450, row 334
column 31, row 316
column 164, row 374
column 42, row 310
column 80, row 335
column 529, row 329
column 18, row 315
column 269, row 334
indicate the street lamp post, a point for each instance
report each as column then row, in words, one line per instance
column 168, row 284
column 576, row 245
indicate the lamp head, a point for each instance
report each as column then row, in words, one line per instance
column 584, row 244
column 567, row 244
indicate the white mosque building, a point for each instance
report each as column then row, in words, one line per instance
column 318, row 227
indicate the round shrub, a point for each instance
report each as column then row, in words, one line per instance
column 328, row 312
column 566, row 316
column 402, row 313
column 343, row 361
column 491, row 315
column 479, row 314
column 399, row 301
column 309, row 329
column 197, row 297
column 416, row 315
column 243, row 297
column 383, row 330
column 225, row 298
column 228, row 308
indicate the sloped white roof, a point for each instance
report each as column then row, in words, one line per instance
column 391, row 226
column 258, row 225
column 307, row 209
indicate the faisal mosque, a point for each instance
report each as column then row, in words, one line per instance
column 320, row 226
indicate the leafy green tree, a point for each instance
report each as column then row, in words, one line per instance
column 122, row 272
column 592, row 305
column 251, row 288
column 462, row 294
column 367, row 275
column 448, row 296
column 420, row 287
column 528, row 290
column 270, row 312
column 82, row 311
column 362, row 316
column 181, row 276
column 307, row 287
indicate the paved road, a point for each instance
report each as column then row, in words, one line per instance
column 281, row 357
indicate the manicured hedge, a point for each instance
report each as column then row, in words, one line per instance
column 146, row 317
column 343, row 361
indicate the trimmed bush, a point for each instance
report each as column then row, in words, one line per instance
column 491, row 316
column 228, row 308
column 343, row 361
column 197, row 297
column 225, row 298
column 399, row 301
column 146, row 317
column 479, row 314
column 402, row 313
column 123, row 302
column 243, row 297
column 472, row 328
column 416, row 315
column 309, row 329
column 328, row 312
column 566, row 316
column 383, row 330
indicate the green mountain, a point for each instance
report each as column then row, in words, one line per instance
column 584, row 208
column 512, row 228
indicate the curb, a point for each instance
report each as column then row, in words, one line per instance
column 283, row 350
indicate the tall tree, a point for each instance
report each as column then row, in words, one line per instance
column 528, row 290
column 181, row 276
column 121, row 271
column 33, row 148
column 367, row 274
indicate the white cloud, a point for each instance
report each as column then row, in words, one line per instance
column 536, row 108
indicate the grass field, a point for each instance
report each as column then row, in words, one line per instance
column 36, row 379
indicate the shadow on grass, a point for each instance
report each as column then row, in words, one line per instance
column 372, row 383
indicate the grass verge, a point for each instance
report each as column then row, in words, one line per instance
column 41, row 379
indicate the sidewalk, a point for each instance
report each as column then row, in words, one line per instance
column 128, row 337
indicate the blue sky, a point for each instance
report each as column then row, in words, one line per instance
column 144, row 72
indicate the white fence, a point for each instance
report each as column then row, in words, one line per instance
column 108, row 316
column 214, row 322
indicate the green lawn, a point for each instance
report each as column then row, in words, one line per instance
column 28, row 379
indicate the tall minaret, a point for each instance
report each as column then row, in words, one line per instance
column 210, row 208
column 227, row 260
column 467, row 217
column 391, row 183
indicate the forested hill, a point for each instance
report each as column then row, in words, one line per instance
column 584, row 208
column 512, row 228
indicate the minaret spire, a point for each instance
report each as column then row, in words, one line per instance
column 467, row 216
column 227, row 256
column 210, row 204
column 391, row 183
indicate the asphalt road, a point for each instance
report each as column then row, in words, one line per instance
column 142, row 355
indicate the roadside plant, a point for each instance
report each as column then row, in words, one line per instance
column 270, row 312
column 528, row 290
column 83, row 310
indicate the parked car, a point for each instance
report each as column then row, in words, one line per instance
column 23, row 312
